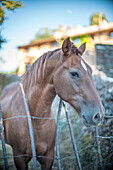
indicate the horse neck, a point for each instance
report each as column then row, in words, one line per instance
column 40, row 100
column 41, row 94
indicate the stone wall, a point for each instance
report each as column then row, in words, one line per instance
column 104, row 58
column 89, row 57
column 85, row 137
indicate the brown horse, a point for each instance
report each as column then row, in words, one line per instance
column 62, row 72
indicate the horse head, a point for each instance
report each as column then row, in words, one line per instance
column 73, row 83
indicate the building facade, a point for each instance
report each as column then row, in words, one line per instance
column 99, row 34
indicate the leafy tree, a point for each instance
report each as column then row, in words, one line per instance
column 43, row 34
column 9, row 5
column 2, row 40
column 97, row 18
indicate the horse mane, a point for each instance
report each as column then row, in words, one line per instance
column 35, row 74
column 32, row 75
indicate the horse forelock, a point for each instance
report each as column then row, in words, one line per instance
column 74, row 49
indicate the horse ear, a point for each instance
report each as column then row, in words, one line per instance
column 66, row 47
column 82, row 48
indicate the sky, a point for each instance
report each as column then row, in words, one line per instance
column 21, row 26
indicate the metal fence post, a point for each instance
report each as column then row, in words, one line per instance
column 57, row 135
column 72, row 137
column 30, row 128
column 3, row 141
column 98, row 148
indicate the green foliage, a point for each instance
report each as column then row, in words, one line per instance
column 9, row 5
column 97, row 18
column 43, row 34
column 2, row 40
column 81, row 39
column 9, row 73
column 1, row 15
column 84, row 38
column 61, row 42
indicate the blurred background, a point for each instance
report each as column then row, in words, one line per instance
column 29, row 28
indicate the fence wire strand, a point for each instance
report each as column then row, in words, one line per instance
column 33, row 117
column 58, row 158
column 55, row 157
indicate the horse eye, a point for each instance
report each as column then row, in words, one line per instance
column 74, row 74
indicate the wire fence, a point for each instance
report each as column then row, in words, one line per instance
column 57, row 157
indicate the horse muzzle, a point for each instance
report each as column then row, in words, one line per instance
column 93, row 120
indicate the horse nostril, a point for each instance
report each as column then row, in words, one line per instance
column 84, row 119
column 96, row 118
